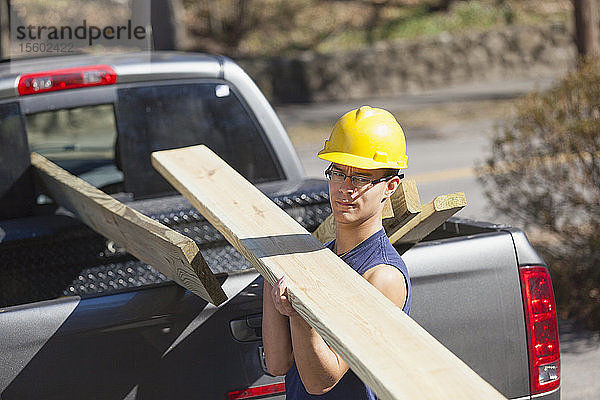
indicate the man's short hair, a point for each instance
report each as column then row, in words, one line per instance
column 392, row 172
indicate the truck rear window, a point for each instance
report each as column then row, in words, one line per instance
column 109, row 145
column 81, row 140
column 168, row 116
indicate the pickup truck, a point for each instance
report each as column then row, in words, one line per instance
column 82, row 318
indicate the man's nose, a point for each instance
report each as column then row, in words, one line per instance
column 347, row 185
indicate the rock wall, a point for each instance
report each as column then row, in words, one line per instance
column 391, row 68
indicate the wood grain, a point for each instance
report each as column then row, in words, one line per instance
column 325, row 232
column 433, row 214
column 166, row 250
column 388, row 350
column 403, row 205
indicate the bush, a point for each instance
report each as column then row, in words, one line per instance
column 250, row 28
column 544, row 172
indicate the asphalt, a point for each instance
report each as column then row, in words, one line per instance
column 311, row 113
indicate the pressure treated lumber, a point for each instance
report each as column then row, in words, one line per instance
column 325, row 232
column 403, row 205
column 433, row 214
column 388, row 350
column 166, row 250
column 406, row 205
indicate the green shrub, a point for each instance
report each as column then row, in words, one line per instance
column 278, row 27
column 544, row 172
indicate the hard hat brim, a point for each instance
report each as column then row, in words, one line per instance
column 355, row 161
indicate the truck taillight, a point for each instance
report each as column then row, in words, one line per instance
column 542, row 329
column 69, row 78
column 257, row 391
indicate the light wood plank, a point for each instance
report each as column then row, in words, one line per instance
column 388, row 350
column 325, row 232
column 388, row 210
column 434, row 213
column 166, row 250
column 403, row 205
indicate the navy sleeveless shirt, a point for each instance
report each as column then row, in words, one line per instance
column 374, row 251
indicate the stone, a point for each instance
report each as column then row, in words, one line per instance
column 478, row 60
column 529, row 42
column 391, row 68
column 495, row 45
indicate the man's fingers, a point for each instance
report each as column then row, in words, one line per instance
column 280, row 297
column 281, row 286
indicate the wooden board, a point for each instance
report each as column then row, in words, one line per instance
column 406, row 205
column 166, row 250
column 433, row 214
column 325, row 232
column 388, row 350
column 403, row 205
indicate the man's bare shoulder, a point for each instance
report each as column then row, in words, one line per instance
column 389, row 281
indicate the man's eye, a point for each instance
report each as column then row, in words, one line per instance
column 361, row 179
column 337, row 174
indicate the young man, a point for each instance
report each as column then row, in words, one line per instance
column 366, row 150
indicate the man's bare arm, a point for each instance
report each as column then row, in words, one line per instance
column 276, row 336
column 320, row 367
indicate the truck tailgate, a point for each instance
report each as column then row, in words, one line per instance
column 466, row 293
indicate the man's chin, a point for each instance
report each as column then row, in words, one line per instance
column 345, row 216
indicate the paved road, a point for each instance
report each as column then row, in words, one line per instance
column 448, row 132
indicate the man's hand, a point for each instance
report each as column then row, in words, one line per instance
column 319, row 367
column 280, row 298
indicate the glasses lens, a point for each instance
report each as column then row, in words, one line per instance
column 337, row 176
column 360, row 181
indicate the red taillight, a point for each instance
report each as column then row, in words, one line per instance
column 257, row 391
column 542, row 329
column 62, row 79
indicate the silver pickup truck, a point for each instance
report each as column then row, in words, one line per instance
column 82, row 318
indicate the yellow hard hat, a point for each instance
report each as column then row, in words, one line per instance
column 367, row 138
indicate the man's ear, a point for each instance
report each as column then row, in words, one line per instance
column 391, row 186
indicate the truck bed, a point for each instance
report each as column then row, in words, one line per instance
column 115, row 319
